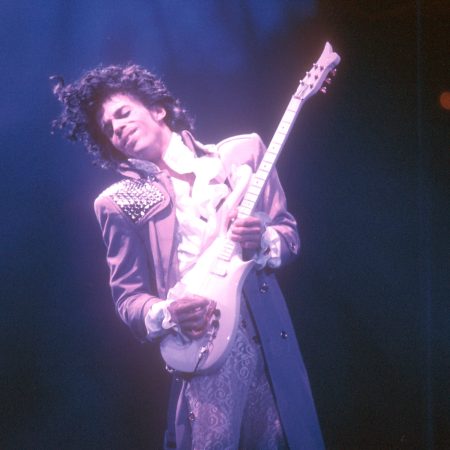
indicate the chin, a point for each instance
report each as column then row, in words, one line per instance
column 136, row 149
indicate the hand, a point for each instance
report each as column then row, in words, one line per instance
column 248, row 232
column 192, row 314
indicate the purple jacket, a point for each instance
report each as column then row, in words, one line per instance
column 137, row 218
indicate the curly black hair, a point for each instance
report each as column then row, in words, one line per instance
column 82, row 100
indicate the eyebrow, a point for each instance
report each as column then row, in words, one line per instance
column 115, row 114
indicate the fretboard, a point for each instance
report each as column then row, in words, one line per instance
column 270, row 157
column 308, row 86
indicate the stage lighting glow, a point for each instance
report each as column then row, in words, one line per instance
column 444, row 100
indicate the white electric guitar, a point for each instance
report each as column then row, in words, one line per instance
column 220, row 272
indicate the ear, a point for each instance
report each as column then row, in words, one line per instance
column 158, row 113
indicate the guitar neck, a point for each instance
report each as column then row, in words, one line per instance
column 309, row 85
column 270, row 157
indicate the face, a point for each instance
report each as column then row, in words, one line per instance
column 133, row 129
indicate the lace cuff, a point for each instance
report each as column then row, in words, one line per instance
column 158, row 319
column 270, row 252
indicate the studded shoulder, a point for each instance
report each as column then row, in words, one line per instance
column 135, row 197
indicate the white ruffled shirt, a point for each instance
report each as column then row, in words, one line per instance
column 196, row 212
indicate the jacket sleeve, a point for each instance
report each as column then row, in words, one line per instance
column 130, row 276
column 273, row 203
column 249, row 149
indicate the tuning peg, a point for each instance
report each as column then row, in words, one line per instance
column 328, row 80
column 333, row 72
column 323, row 90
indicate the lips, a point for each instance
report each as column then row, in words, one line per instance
column 126, row 138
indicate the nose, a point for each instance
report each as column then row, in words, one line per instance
column 118, row 129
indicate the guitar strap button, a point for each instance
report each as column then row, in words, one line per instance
column 191, row 416
column 264, row 288
column 256, row 340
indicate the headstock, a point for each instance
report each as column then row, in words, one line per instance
column 318, row 74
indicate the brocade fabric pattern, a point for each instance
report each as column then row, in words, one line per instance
column 239, row 391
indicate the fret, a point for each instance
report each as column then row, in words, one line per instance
column 247, row 203
column 219, row 267
column 251, row 197
column 289, row 116
column 228, row 244
column 271, row 157
column 265, row 165
column 260, row 176
column 253, row 190
column 244, row 210
column 227, row 250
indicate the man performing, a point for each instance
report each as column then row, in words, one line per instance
column 157, row 222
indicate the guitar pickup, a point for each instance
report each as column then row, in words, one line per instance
column 219, row 268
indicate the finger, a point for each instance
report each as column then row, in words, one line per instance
column 189, row 304
column 240, row 231
column 194, row 329
column 250, row 237
column 194, row 300
column 248, row 222
column 199, row 322
column 194, row 334
column 202, row 312
column 231, row 217
column 246, row 227
column 191, row 318
column 251, row 245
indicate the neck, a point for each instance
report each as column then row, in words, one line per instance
column 173, row 160
column 162, row 144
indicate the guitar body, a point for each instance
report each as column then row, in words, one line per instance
column 218, row 280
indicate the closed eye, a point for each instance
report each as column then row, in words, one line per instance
column 122, row 112
column 108, row 129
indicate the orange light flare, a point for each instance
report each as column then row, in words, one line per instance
column 444, row 100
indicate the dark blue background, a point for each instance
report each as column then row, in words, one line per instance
column 365, row 172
